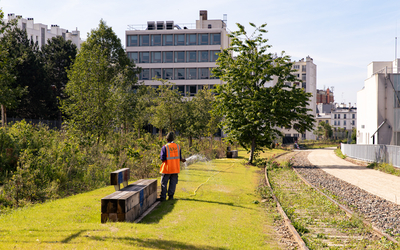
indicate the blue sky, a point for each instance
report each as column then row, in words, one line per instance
column 342, row 37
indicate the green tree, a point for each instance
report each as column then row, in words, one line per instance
column 166, row 112
column 58, row 56
column 101, row 84
column 252, row 112
column 10, row 93
column 145, row 98
column 324, row 129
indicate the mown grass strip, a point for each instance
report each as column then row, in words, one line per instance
column 222, row 215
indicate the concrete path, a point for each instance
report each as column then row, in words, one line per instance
column 375, row 182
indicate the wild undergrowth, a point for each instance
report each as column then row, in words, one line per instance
column 37, row 163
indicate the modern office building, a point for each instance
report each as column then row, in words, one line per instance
column 182, row 54
column 378, row 103
column 39, row 33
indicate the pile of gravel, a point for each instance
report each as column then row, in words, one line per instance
column 383, row 214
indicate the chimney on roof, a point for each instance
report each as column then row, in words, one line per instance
column 203, row 15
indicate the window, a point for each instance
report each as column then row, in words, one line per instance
column 179, row 39
column 155, row 40
column 191, row 73
column 215, row 39
column 203, row 56
column 133, row 40
column 179, row 74
column 326, row 121
column 335, row 116
column 338, row 116
column 214, row 55
column 303, row 77
column 353, row 122
column 167, row 74
column 144, row 40
column 192, row 89
column 334, row 123
column 203, row 73
column 144, row 75
column 200, row 87
column 144, row 57
column 24, row 28
column 156, row 57
column 191, row 56
column 344, row 122
column 353, row 116
column 296, row 66
column 344, row 116
column 155, row 73
column 203, row 39
column 133, row 56
column 168, row 57
column 181, row 89
column 179, row 56
column 168, row 40
column 209, row 26
column 190, row 39
column 338, row 123
column 303, row 68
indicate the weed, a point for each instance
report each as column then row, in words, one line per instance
column 339, row 153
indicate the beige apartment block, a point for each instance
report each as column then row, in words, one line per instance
column 183, row 54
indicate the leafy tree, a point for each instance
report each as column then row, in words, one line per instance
column 324, row 129
column 101, row 84
column 58, row 55
column 27, row 70
column 9, row 93
column 166, row 112
column 252, row 112
column 145, row 98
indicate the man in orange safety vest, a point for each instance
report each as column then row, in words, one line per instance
column 170, row 167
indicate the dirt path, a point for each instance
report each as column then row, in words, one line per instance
column 375, row 182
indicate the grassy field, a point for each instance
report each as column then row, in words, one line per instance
column 222, row 214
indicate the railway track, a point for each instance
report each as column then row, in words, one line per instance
column 316, row 220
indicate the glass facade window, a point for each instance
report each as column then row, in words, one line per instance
column 181, row 89
column 155, row 73
column 203, row 39
column 134, row 56
column 215, row 39
column 179, row 39
column 214, row 55
column 191, row 56
column 156, row 57
column 133, row 40
column 191, row 39
column 179, row 56
column 179, row 74
column 168, row 57
column 144, row 40
column 203, row 73
column 203, row 56
column 191, row 73
column 145, row 74
column 168, row 74
column 155, row 40
column 168, row 40
column 192, row 89
column 144, row 57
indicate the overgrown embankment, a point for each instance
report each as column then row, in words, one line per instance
column 37, row 164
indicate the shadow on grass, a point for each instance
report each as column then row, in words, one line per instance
column 159, row 212
column 215, row 202
column 157, row 243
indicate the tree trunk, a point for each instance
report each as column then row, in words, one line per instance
column 211, row 142
column 253, row 147
column 3, row 116
column 190, row 141
column 138, row 132
column 160, row 134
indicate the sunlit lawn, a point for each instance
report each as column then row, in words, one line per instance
column 222, row 214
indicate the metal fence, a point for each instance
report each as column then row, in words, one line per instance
column 373, row 153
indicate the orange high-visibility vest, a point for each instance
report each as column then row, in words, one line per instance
column 172, row 164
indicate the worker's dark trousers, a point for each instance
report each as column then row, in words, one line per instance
column 173, row 180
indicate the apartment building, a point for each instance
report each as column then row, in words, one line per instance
column 378, row 103
column 325, row 96
column 180, row 53
column 39, row 33
column 306, row 70
column 344, row 117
